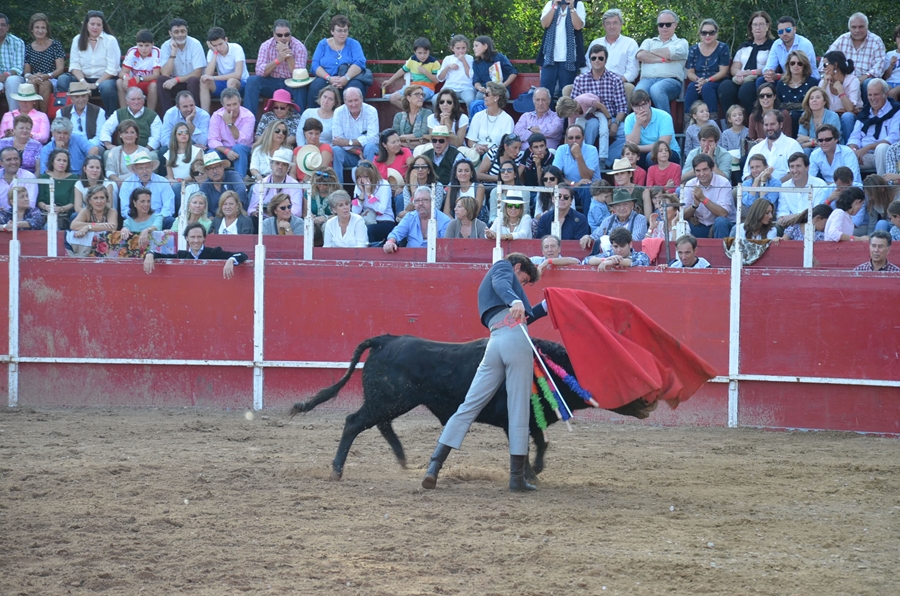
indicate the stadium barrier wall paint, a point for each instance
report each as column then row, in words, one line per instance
column 810, row 323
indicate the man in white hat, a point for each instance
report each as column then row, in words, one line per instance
column 442, row 154
column 281, row 164
column 219, row 179
column 162, row 198
column 12, row 63
column 276, row 60
column 87, row 118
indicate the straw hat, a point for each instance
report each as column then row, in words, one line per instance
column 283, row 155
column 621, row 165
column 213, row 157
column 77, row 88
column 299, row 78
column 27, row 93
column 621, row 195
column 283, row 96
column 142, row 157
column 308, row 159
column 395, row 177
column 440, row 131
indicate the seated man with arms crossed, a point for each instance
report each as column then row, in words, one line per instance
column 620, row 256
column 196, row 238
column 550, row 249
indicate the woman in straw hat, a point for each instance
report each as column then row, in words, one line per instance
column 312, row 137
column 515, row 224
column 28, row 100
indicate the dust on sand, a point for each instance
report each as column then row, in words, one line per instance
column 179, row 501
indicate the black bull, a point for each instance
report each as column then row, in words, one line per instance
column 402, row 373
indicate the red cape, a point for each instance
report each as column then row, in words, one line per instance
column 619, row 354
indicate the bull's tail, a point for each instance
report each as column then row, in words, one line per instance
column 330, row 392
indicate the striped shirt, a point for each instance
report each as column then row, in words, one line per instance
column 12, row 55
column 268, row 51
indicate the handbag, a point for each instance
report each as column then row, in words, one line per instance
column 366, row 77
column 58, row 101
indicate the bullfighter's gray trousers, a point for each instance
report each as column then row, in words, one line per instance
column 508, row 356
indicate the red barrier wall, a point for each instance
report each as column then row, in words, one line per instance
column 319, row 311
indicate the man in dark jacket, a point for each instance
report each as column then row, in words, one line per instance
column 503, row 307
column 196, row 237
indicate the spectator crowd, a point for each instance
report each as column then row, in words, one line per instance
column 125, row 135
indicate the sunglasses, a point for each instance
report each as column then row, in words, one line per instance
column 279, row 107
column 513, row 206
column 438, row 141
column 420, row 166
column 766, row 95
column 506, row 170
column 280, row 131
column 446, row 102
column 513, row 138
column 321, row 174
column 548, row 179
column 825, row 140
column 794, row 63
column 665, row 25
column 284, row 207
column 785, row 30
column 708, row 33
column 281, row 35
column 598, row 58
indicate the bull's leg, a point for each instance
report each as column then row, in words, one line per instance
column 355, row 424
column 387, row 431
column 540, row 448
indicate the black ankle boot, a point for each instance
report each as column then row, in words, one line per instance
column 517, row 482
column 437, row 462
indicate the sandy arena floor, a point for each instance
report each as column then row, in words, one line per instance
column 150, row 501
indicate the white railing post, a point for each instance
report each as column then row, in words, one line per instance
column 309, row 226
column 14, row 251
column 734, row 320
column 498, row 248
column 52, row 226
column 808, row 234
column 182, row 220
column 259, row 282
column 432, row 229
column 556, row 227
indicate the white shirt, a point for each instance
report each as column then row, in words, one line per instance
column 622, row 58
column 363, row 129
column 94, row 62
column 700, row 264
column 139, row 65
column 82, row 130
column 228, row 63
column 488, row 130
column 327, row 125
column 798, row 202
column 770, row 235
column 432, row 121
column 357, row 235
column 559, row 46
column 776, row 156
column 457, row 79
column 186, row 61
column 179, row 168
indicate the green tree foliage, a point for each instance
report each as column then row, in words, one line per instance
column 386, row 28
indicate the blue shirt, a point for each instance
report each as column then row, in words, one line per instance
column 843, row 156
column 778, row 54
column 78, row 148
column 660, row 125
column 707, row 66
column 749, row 197
column 162, row 197
column 331, row 61
column 636, row 224
column 173, row 116
column 410, row 229
column 597, row 213
column 809, row 129
column 481, row 69
column 230, row 181
column 565, row 162
column 573, row 227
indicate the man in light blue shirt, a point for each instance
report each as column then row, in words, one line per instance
column 62, row 138
column 186, row 111
column 414, row 224
column 645, row 125
column 787, row 42
column 580, row 164
column 142, row 166
column 829, row 155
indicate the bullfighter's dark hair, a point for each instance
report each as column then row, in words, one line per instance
column 517, row 258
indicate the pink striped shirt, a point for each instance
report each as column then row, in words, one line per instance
column 268, row 52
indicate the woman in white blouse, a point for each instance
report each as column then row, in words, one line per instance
column 372, row 200
column 95, row 59
column 515, row 223
column 329, row 100
column 346, row 229
column 487, row 127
